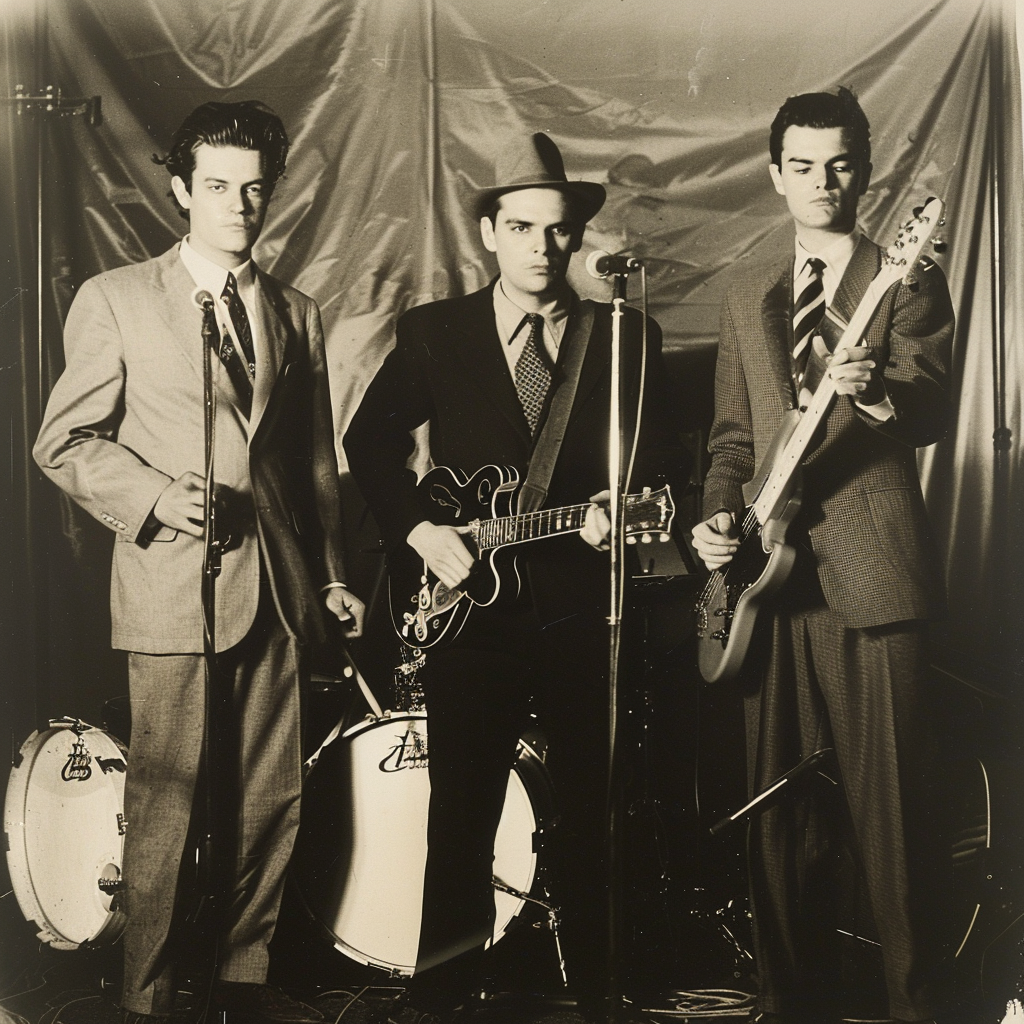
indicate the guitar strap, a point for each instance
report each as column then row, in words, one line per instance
column 545, row 452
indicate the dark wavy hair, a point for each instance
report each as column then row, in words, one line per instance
column 247, row 125
column 823, row 110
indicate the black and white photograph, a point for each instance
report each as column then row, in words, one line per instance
column 513, row 513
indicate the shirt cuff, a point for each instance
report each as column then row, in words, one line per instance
column 880, row 411
column 333, row 585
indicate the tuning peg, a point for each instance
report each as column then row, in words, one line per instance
column 631, row 539
column 663, row 538
column 645, row 538
column 939, row 243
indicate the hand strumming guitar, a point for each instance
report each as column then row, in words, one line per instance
column 441, row 547
column 716, row 540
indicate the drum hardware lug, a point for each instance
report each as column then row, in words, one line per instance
column 720, row 634
column 724, row 613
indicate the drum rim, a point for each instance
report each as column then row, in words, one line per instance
column 18, row 860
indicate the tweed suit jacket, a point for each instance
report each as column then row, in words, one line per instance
column 862, row 504
column 126, row 418
column 447, row 369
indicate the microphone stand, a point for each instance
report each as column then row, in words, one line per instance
column 210, row 857
column 614, row 797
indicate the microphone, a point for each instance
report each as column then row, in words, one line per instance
column 601, row 264
column 203, row 299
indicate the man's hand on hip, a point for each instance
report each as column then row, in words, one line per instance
column 347, row 609
column 716, row 540
column 441, row 547
column 180, row 505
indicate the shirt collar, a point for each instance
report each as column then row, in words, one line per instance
column 836, row 255
column 509, row 315
column 209, row 275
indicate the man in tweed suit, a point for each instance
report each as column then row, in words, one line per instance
column 847, row 666
column 123, row 435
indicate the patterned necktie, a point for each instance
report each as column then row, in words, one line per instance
column 240, row 374
column 533, row 373
column 807, row 314
column 240, row 321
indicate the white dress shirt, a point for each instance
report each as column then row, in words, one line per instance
column 513, row 327
column 212, row 278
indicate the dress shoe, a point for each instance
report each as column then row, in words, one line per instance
column 248, row 1003
column 131, row 1017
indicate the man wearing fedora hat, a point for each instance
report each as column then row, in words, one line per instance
column 483, row 370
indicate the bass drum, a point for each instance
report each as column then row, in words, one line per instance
column 362, row 846
column 64, row 824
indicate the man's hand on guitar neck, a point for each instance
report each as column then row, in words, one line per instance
column 716, row 540
column 596, row 527
column 441, row 547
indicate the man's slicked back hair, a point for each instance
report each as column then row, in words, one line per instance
column 823, row 110
column 246, row 125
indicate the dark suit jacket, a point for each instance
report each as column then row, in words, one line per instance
column 862, row 502
column 447, row 369
column 126, row 418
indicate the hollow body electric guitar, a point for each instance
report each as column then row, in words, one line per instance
column 425, row 611
column 728, row 606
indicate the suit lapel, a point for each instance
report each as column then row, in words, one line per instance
column 777, row 324
column 860, row 272
column 476, row 344
column 182, row 318
column 271, row 311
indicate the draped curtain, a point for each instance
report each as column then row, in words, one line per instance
column 396, row 108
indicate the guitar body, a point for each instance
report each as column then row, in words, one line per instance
column 734, row 599
column 423, row 610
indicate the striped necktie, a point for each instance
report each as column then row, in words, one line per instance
column 533, row 373
column 240, row 366
column 807, row 313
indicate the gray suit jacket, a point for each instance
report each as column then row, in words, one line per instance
column 862, row 503
column 126, row 418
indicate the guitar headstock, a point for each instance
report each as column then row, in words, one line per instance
column 648, row 514
column 901, row 257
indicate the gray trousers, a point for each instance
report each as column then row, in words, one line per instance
column 167, row 702
column 866, row 693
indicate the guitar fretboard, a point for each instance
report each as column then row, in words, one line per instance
column 496, row 533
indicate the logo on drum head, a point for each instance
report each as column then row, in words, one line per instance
column 77, row 767
column 409, row 752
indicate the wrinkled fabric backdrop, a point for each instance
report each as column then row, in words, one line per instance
column 395, row 107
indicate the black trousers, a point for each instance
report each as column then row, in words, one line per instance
column 866, row 693
column 480, row 693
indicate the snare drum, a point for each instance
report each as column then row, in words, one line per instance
column 64, row 822
column 362, row 846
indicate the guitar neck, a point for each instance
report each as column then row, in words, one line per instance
column 776, row 486
column 548, row 522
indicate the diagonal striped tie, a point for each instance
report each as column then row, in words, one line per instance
column 807, row 313
column 533, row 373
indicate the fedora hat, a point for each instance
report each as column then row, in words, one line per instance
column 535, row 162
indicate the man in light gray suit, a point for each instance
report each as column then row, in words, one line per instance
column 123, row 435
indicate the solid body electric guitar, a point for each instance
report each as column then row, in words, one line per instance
column 425, row 611
column 728, row 607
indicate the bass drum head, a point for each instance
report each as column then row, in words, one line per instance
column 362, row 847
column 64, row 824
